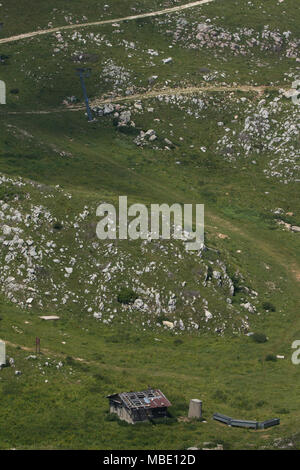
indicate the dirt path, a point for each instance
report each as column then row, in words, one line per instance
column 188, row 91
column 98, row 23
column 259, row 90
column 296, row 272
column 45, row 352
column 269, row 249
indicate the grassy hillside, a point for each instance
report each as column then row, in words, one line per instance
column 63, row 12
column 65, row 407
column 233, row 146
column 123, row 56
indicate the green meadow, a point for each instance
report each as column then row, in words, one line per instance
column 59, row 399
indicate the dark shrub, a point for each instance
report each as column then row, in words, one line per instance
column 128, row 130
column 3, row 59
column 162, row 318
column 271, row 357
column 8, row 193
column 260, row 403
column 57, row 226
column 178, row 341
column 209, row 272
column 259, row 338
column 127, row 296
column 283, row 411
column 70, row 361
column 269, row 306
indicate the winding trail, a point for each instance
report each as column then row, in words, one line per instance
column 189, row 91
column 103, row 22
column 281, row 257
column 259, row 90
column 104, row 365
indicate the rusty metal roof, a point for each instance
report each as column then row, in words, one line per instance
column 151, row 398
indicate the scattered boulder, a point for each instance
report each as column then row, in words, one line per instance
column 144, row 137
column 168, row 324
column 138, row 303
column 124, row 118
column 169, row 143
column 208, row 315
column 249, row 307
column 168, row 60
column 108, row 109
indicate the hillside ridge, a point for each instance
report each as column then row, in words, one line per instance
column 103, row 22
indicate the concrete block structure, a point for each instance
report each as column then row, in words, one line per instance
column 195, row 408
column 2, row 353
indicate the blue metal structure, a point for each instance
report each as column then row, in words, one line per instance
column 242, row 423
column 2, row 84
column 83, row 72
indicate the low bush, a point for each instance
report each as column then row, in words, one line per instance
column 259, row 404
column 128, row 130
column 268, row 306
column 271, row 357
column 70, row 361
column 57, row 226
column 178, row 341
column 259, row 338
column 283, row 411
column 9, row 192
column 127, row 296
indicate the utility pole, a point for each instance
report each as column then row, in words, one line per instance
column 37, row 345
column 2, row 84
column 85, row 73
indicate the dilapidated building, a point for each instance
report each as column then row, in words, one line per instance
column 134, row 407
